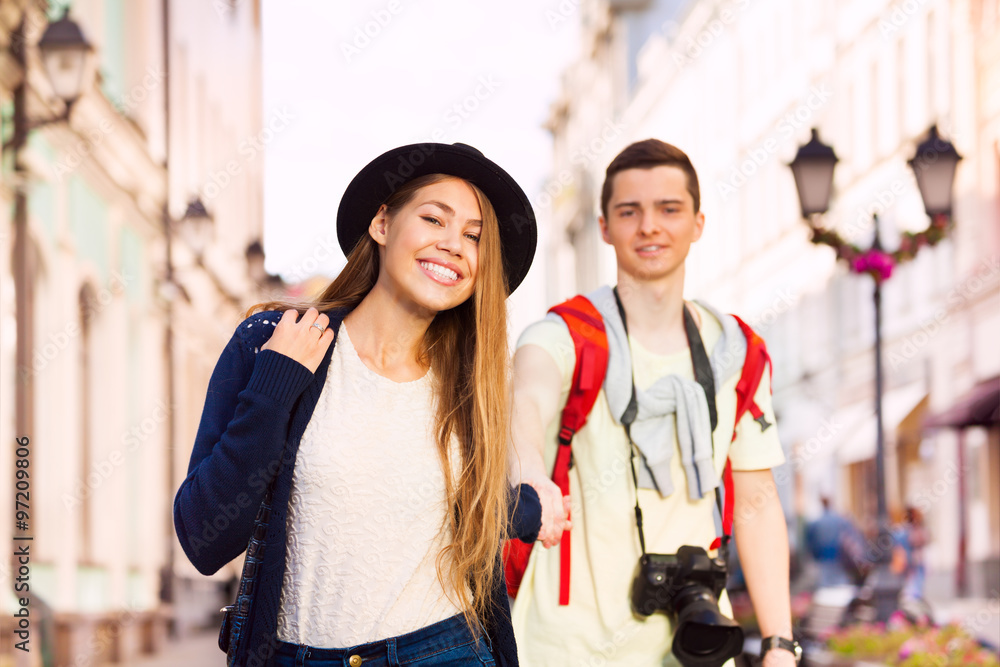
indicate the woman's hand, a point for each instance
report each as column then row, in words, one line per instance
column 302, row 341
column 555, row 510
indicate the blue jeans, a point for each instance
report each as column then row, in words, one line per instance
column 447, row 642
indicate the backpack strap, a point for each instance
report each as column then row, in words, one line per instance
column 590, row 341
column 746, row 388
column 753, row 370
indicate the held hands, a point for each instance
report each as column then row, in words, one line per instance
column 305, row 341
column 555, row 510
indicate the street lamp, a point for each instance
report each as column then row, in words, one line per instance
column 255, row 262
column 934, row 168
column 255, row 267
column 65, row 54
column 813, row 171
column 67, row 58
column 197, row 226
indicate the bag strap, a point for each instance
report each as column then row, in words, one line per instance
column 706, row 378
column 254, row 557
column 590, row 342
column 746, row 388
column 753, row 371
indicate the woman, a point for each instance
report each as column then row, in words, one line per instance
column 912, row 537
column 380, row 416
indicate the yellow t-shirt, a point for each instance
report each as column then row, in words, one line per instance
column 598, row 627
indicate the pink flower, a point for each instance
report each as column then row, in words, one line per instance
column 876, row 262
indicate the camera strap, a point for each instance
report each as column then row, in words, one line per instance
column 703, row 375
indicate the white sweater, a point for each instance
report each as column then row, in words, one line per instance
column 366, row 517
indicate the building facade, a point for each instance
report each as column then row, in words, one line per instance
column 738, row 85
column 110, row 328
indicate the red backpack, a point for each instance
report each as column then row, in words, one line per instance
column 590, row 340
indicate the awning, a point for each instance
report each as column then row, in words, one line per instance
column 846, row 422
column 978, row 407
column 859, row 443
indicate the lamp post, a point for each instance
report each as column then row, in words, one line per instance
column 934, row 168
column 66, row 55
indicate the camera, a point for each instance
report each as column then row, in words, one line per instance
column 686, row 586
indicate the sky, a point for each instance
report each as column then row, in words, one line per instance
column 361, row 77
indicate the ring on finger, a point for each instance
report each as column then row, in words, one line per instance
column 318, row 326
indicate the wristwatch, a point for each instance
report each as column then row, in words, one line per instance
column 792, row 646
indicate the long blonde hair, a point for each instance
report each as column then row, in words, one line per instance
column 466, row 347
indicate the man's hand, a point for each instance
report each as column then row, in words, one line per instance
column 555, row 510
column 535, row 402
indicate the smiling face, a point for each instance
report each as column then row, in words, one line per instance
column 651, row 222
column 429, row 254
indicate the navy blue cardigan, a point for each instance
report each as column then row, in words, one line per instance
column 256, row 409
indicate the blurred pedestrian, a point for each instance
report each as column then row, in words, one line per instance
column 379, row 414
column 912, row 537
column 830, row 540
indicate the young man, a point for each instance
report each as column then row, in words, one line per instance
column 650, row 215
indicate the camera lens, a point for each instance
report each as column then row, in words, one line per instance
column 705, row 640
column 704, row 637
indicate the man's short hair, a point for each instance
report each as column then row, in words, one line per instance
column 647, row 154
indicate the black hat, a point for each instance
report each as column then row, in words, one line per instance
column 382, row 176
